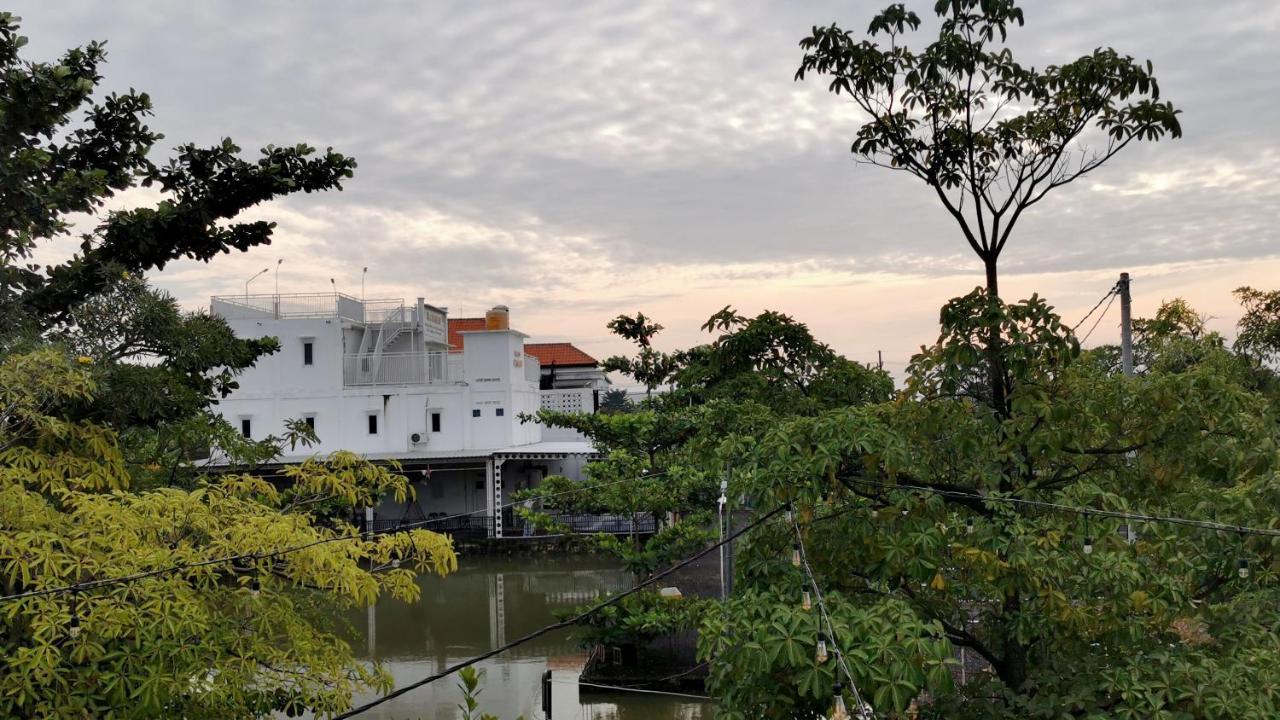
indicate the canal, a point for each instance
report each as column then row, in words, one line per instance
column 487, row 602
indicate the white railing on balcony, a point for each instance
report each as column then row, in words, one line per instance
column 327, row 305
column 312, row 305
column 408, row 368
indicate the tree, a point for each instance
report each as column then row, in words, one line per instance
column 217, row 639
column 650, row 367
column 57, row 166
column 989, row 136
column 153, row 363
column 1259, row 327
column 885, row 496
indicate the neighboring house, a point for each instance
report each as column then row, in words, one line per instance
column 384, row 379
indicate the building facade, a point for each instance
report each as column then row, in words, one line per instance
column 381, row 378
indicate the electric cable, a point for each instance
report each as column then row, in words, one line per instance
column 557, row 625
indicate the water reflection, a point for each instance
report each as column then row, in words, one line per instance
column 486, row 603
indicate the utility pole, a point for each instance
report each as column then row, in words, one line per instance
column 1126, row 325
column 724, row 489
column 879, row 359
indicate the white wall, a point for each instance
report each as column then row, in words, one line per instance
column 282, row 387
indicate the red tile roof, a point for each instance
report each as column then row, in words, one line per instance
column 461, row 325
column 560, row 354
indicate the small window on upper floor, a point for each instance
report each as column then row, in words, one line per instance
column 499, row 412
column 246, row 427
column 310, row 420
column 373, row 423
column 435, row 422
column 475, row 412
column 308, row 352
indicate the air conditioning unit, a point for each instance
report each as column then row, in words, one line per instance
column 417, row 438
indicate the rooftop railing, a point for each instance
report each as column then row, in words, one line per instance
column 329, row 305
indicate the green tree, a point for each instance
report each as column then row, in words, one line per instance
column 153, row 363
column 885, row 497
column 218, row 639
column 649, row 367
column 989, row 136
column 1259, row 328
column 65, row 155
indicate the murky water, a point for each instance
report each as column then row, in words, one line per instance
column 490, row 601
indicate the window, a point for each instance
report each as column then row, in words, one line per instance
column 435, row 422
column 310, row 420
column 498, row 412
column 246, row 427
column 475, row 412
column 308, row 352
column 373, row 423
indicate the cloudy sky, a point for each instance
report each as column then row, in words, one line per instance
column 577, row 160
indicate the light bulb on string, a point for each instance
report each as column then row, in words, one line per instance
column 1088, row 539
column 806, row 601
column 820, row 653
column 838, row 709
column 73, row 627
column 1242, row 568
column 795, row 555
column 255, row 587
column 968, row 526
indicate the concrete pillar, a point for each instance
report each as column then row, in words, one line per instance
column 497, row 464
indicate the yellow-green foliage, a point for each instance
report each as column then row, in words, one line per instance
column 194, row 643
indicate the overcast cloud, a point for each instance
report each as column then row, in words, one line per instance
column 577, row 160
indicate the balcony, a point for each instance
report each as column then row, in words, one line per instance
column 408, row 368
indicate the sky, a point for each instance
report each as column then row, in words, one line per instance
column 578, row 160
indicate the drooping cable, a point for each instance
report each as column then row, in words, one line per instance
column 1085, row 339
column 1058, row 507
column 864, row 710
column 1110, row 293
column 558, row 625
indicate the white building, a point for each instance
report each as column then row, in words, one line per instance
column 380, row 378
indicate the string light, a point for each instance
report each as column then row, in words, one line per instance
column 73, row 627
column 795, row 555
column 1243, row 568
column 255, row 587
column 824, row 620
column 806, row 601
column 838, row 709
column 968, row 526
column 1088, row 540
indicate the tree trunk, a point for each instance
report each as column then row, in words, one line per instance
column 995, row 368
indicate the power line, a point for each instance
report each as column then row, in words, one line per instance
column 147, row 574
column 1110, row 293
column 1085, row 339
column 625, row 688
column 864, row 710
column 556, row 626
column 1058, row 507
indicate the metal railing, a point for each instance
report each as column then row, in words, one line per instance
column 405, row 368
column 480, row 525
